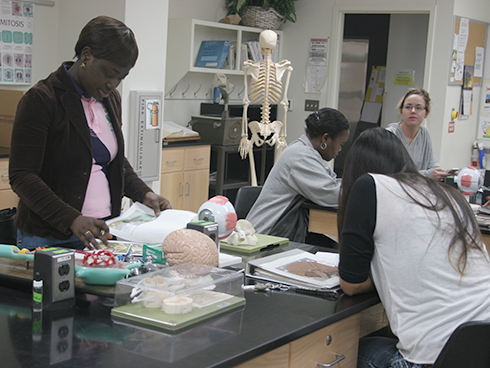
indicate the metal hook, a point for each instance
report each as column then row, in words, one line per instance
column 229, row 93
column 171, row 92
column 184, row 92
column 241, row 92
column 195, row 93
column 208, row 93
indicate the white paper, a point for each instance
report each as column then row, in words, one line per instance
column 139, row 224
column 171, row 129
column 467, row 95
column 370, row 112
column 459, row 66
column 316, row 69
column 478, row 71
column 464, row 31
column 382, row 75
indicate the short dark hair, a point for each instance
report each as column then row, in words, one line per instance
column 326, row 120
column 108, row 39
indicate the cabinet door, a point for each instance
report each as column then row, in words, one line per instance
column 8, row 198
column 172, row 188
column 320, row 346
column 196, row 189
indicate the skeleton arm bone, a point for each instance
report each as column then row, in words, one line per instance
column 244, row 146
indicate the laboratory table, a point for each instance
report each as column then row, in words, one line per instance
column 273, row 329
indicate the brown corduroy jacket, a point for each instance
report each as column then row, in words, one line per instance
column 51, row 158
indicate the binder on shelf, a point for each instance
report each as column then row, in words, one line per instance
column 230, row 62
column 212, row 54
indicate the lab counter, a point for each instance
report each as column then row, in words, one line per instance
column 273, row 329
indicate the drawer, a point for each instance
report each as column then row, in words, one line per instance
column 4, row 174
column 321, row 346
column 8, row 199
column 197, row 157
column 172, row 160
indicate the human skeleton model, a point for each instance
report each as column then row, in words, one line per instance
column 265, row 88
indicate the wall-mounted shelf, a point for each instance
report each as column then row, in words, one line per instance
column 184, row 40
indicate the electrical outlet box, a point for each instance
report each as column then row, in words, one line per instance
column 56, row 267
column 312, row 105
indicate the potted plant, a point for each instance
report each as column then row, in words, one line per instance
column 267, row 14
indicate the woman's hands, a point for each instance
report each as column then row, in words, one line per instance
column 439, row 173
column 87, row 229
column 157, row 202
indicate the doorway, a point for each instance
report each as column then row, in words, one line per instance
column 365, row 44
column 397, row 41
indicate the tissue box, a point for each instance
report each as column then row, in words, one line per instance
column 177, row 297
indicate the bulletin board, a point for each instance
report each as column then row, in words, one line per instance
column 476, row 38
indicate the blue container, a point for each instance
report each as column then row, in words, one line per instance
column 216, row 95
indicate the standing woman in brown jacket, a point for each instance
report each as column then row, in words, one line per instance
column 67, row 161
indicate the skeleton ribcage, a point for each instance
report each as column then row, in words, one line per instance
column 266, row 89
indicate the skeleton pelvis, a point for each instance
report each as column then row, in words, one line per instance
column 265, row 130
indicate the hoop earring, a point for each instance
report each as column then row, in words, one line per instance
column 323, row 146
column 83, row 66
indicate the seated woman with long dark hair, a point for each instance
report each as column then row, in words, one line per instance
column 417, row 242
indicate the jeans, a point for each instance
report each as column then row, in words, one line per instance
column 381, row 352
column 26, row 240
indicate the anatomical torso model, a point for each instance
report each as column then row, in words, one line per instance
column 265, row 88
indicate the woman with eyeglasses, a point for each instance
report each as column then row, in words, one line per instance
column 67, row 161
column 414, row 107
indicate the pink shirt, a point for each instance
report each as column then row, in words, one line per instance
column 98, row 198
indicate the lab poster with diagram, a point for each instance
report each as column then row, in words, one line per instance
column 16, row 30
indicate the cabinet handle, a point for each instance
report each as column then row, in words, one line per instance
column 171, row 162
column 339, row 356
column 4, row 176
column 181, row 189
column 199, row 159
column 188, row 188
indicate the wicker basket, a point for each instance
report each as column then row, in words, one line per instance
column 256, row 16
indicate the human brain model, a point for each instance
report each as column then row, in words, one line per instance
column 190, row 246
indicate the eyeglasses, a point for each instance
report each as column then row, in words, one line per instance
column 417, row 108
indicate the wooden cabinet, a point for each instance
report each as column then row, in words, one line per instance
column 323, row 346
column 185, row 176
column 328, row 344
column 336, row 342
column 8, row 198
column 184, row 40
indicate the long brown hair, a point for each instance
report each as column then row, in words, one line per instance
column 380, row 151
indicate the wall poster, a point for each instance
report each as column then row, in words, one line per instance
column 16, row 30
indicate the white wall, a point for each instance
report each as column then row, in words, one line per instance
column 407, row 43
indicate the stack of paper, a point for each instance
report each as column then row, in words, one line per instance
column 139, row 224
